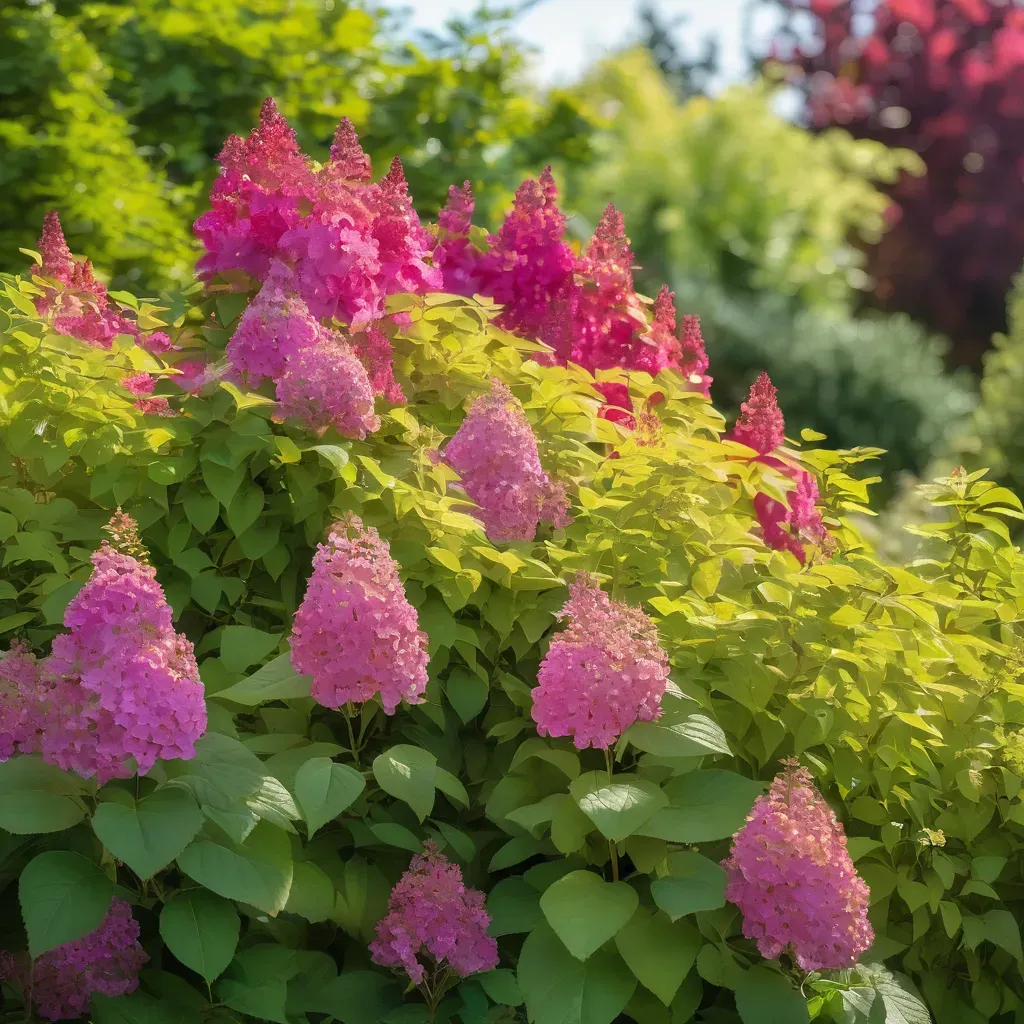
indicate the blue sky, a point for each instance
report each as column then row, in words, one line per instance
column 571, row 33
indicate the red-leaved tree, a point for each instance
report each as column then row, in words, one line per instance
column 944, row 78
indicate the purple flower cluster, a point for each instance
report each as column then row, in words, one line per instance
column 606, row 671
column 349, row 242
column 434, row 919
column 20, row 701
column 77, row 303
column 61, row 983
column 790, row 874
column 120, row 684
column 495, row 453
column 355, row 632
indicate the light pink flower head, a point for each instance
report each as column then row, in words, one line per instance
column 355, row 632
column 494, row 452
column 434, row 921
column 792, row 878
column 604, row 672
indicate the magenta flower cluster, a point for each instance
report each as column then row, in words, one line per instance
column 350, row 242
column 355, row 632
column 60, row 984
column 495, row 453
column 120, row 685
column 761, row 427
column 791, row 875
column 604, row 672
column 434, row 919
column 78, row 304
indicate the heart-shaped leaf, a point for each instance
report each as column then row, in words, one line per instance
column 585, row 911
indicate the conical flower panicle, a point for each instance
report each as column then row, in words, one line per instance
column 693, row 359
column 349, row 161
column 683, row 352
column 374, row 350
column 458, row 259
column 258, row 196
column 791, row 875
column 325, row 385
column 121, row 683
column 529, row 264
column 611, row 326
column 58, row 262
column 760, row 425
column 434, row 921
column 60, row 984
column 495, row 453
column 604, row 672
column 355, row 632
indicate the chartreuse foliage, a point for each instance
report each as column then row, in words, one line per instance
column 259, row 869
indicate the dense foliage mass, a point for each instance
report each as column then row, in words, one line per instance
column 116, row 111
column 943, row 78
column 445, row 776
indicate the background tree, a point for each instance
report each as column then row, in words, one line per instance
column 944, row 78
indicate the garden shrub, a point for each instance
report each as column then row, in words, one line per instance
column 322, row 858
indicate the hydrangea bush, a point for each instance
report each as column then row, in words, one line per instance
column 408, row 639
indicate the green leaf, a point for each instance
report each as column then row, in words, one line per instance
column 703, row 806
column 137, row 1008
column 202, row 510
column 325, row 789
column 37, row 797
column 201, row 930
column 257, row 872
column 501, row 986
column 451, row 786
column 333, row 455
column 585, row 911
column 277, row 680
column 618, row 808
column 358, row 997
column 559, row 989
column 694, row 736
column 257, row 981
column 764, row 997
column 693, row 883
column 467, row 693
column 659, row 952
column 242, row 646
column 514, row 907
column 1001, row 928
column 149, row 835
column 63, row 896
column 408, row 773
column 312, row 893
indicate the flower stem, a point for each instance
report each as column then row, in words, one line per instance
column 611, row 843
column 349, row 712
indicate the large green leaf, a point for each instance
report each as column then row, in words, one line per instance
column 617, row 807
column 659, row 952
column 201, row 930
column 257, row 981
column 138, row 1008
column 358, row 997
column 559, row 989
column 692, row 737
column 277, row 680
column 242, row 646
column 63, row 896
column 151, row 833
column 257, row 872
column 765, row 997
column 585, row 911
column 408, row 773
column 703, row 806
column 514, row 907
column 324, row 789
column 693, row 883
column 37, row 797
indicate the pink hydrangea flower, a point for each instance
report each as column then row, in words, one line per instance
column 157, row 342
column 121, row 683
column 790, row 874
column 156, row 406
column 458, row 259
column 494, row 452
column 139, row 384
column 760, row 425
column 355, row 632
column 604, row 672
column 192, row 376
column 20, row 701
column 434, row 921
column 348, row 161
column 60, row 984
column 274, row 327
column 325, row 385
column 375, row 352
column 259, row 196
column 79, row 306
column 529, row 264
column 685, row 351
